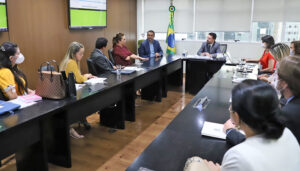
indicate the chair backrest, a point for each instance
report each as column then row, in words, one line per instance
column 110, row 55
column 91, row 66
column 223, row 48
column 2, row 96
column 140, row 42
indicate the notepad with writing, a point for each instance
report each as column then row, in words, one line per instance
column 214, row 130
column 30, row 98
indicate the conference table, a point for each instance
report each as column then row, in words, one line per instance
column 40, row 133
column 182, row 138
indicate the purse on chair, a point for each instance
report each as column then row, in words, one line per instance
column 50, row 84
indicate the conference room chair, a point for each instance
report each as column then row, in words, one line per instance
column 110, row 55
column 2, row 97
column 223, row 48
column 91, row 67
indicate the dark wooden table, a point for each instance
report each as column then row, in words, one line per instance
column 200, row 71
column 40, row 133
column 182, row 137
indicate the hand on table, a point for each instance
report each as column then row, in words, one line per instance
column 157, row 55
column 228, row 125
column 212, row 166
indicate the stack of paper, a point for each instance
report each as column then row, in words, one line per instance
column 213, row 130
column 199, row 57
column 30, row 98
column 95, row 81
column 133, row 68
column 22, row 103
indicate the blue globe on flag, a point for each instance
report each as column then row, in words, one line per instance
column 171, row 40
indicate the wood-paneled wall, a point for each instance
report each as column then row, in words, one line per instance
column 40, row 28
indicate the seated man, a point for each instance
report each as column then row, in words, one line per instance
column 102, row 63
column 150, row 47
column 210, row 47
column 288, row 84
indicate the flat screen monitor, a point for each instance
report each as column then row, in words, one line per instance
column 3, row 16
column 87, row 14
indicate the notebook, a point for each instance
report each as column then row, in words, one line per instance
column 7, row 107
column 22, row 103
column 30, row 98
column 214, row 130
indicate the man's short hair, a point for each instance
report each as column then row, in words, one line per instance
column 151, row 31
column 213, row 35
column 289, row 71
column 101, row 42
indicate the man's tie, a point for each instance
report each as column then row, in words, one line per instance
column 208, row 48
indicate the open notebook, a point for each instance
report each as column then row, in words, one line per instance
column 215, row 130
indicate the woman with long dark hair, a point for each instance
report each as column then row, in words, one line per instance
column 13, row 81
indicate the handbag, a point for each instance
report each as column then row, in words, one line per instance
column 50, row 84
column 70, row 83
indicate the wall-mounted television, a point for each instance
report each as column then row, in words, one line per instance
column 87, row 14
column 3, row 16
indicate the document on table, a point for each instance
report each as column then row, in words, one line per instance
column 95, row 81
column 133, row 68
column 214, row 130
column 22, row 103
column 199, row 57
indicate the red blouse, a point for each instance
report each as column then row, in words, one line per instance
column 264, row 60
column 120, row 55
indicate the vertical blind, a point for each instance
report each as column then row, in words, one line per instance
column 217, row 15
column 157, row 15
column 223, row 15
column 268, row 10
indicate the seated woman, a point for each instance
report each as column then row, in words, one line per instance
column 295, row 48
column 13, row 82
column 267, row 61
column 122, row 55
column 71, row 63
column 278, row 51
column 269, row 145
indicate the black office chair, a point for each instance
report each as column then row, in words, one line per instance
column 2, row 96
column 223, row 48
column 110, row 55
column 91, row 67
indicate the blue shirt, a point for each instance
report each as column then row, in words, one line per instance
column 152, row 52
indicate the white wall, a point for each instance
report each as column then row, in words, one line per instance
column 237, row 50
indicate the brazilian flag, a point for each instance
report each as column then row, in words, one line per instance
column 171, row 34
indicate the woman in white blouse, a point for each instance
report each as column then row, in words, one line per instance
column 269, row 145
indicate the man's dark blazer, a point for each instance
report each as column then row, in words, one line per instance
column 101, row 62
column 144, row 49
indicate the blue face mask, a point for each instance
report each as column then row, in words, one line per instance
column 292, row 53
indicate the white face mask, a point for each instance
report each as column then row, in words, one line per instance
column 291, row 52
column 263, row 45
column 20, row 59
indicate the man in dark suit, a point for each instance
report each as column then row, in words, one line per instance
column 210, row 47
column 289, row 87
column 150, row 47
column 102, row 63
